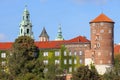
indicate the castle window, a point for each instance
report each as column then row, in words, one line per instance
column 70, row 69
column 3, row 63
column 57, row 53
column 70, row 61
column 70, row 54
column 65, row 53
column 45, row 62
column 75, row 69
column 80, row 61
column 57, row 61
column 75, row 61
column 75, row 53
column 80, row 53
column 45, row 54
column 102, row 31
column 65, row 61
column 98, row 45
column 3, row 55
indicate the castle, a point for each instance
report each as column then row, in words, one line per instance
column 79, row 50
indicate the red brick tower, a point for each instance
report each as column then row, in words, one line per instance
column 102, row 40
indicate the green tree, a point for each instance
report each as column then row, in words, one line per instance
column 114, row 72
column 84, row 73
column 54, row 72
column 23, row 63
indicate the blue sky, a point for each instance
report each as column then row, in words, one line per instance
column 73, row 15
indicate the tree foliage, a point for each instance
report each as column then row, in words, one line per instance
column 54, row 73
column 114, row 72
column 84, row 73
column 23, row 63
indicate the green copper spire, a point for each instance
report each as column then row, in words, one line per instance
column 59, row 34
column 26, row 25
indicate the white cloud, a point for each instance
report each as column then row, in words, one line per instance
column 2, row 37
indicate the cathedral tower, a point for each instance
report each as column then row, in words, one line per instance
column 102, row 40
column 44, row 36
column 26, row 25
column 59, row 34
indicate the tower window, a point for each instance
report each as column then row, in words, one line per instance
column 27, row 31
column 21, row 31
column 109, row 31
column 101, row 23
column 27, row 17
column 98, row 45
column 102, row 31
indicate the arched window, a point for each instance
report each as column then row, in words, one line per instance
column 21, row 31
column 27, row 31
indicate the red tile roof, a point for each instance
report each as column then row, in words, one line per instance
column 102, row 18
column 48, row 44
column 5, row 45
column 116, row 49
column 57, row 44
